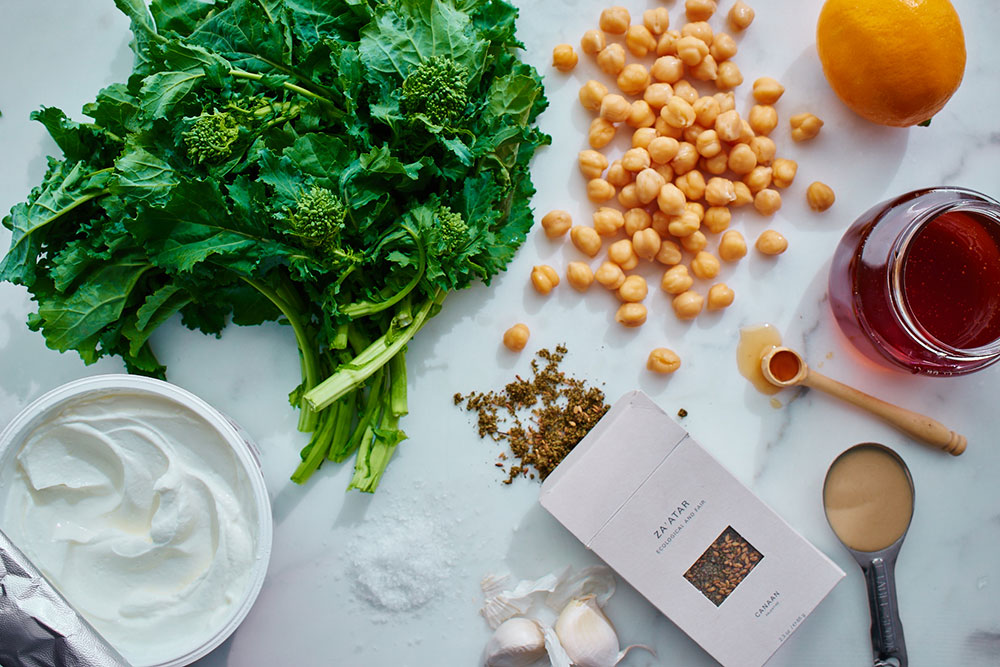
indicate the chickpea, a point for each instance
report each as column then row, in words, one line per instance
column 717, row 164
column 767, row 90
column 691, row 133
column 607, row 221
column 623, row 254
column 763, row 148
column 634, row 79
column 640, row 40
column 611, row 59
column 741, row 15
column 717, row 219
column 696, row 208
column 684, row 224
column 579, row 275
column 648, row 184
column 586, row 240
column 614, row 108
column 661, row 223
column 771, row 242
column 610, row 275
column 723, row 47
column 592, row 163
column 699, row 10
column 544, row 278
column 664, row 170
column 694, row 243
column 599, row 190
column 515, row 338
column 687, row 92
column 720, row 191
column 633, row 289
column 707, row 144
column 741, row 159
column 669, row 253
column 615, row 20
column 676, row 280
column 720, row 296
column 657, row 95
column 763, row 118
column 629, row 196
column 636, row 159
column 705, row 265
column 758, row 178
column 728, row 125
column 706, row 70
column 687, row 305
column 617, row 175
column 820, row 196
column 637, row 219
column 667, row 44
column 746, row 132
column 732, row 247
column 700, row 29
column 686, row 158
column 692, row 184
column 767, row 201
column 663, row 360
column 591, row 94
column 601, row 133
column 641, row 115
column 556, row 223
column 691, row 50
column 743, row 194
column 678, row 113
column 729, row 76
column 656, row 20
column 593, row 42
column 706, row 110
column 663, row 149
column 667, row 69
column 805, row 126
column 671, row 200
column 631, row 314
column 784, row 172
column 642, row 137
column 564, row 58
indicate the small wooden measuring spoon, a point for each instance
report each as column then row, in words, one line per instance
column 784, row 367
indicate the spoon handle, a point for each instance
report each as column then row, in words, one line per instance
column 915, row 424
column 888, row 645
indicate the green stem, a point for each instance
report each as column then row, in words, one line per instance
column 253, row 76
column 364, row 308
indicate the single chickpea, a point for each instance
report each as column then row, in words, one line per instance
column 663, row 360
column 615, row 20
column 692, row 132
column 732, row 247
column 700, row 29
column 607, row 221
column 623, row 254
column 683, row 225
column 758, row 178
column 634, row 79
column 640, row 40
column 717, row 219
column 707, row 144
column 556, row 223
column 820, row 196
column 669, row 253
column 743, row 194
column 705, row 265
column 687, row 92
column 593, row 42
column 678, row 113
column 667, row 69
column 601, row 133
column 629, row 196
column 661, row 222
column 784, row 172
column 706, row 70
column 706, row 110
column 771, row 242
column 579, row 275
column 631, row 314
column 515, row 338
column 586, row 240
column 544, row 278
column 591, row 94
column 564, row 58
column 694, row 243
column 692, row 184
column 764, row 149
column 667, row 44
column 618, row 175
column 633, row 289
column 746, row 132
column 592, row 163
column 665, row 130
column 664, row 170
column 696, row 208
column 720, row 296
column 723, row 47
column 676, row 279
column 663, row 149
column 657, row 95
column 656, row 20
column 686, row 158
column 637, row 219
column 611, row 59
column 699, row 10
column 720, row 191
column 648, row 184
column 636, row 159
column 671, row 200
column 767, row 90
column 610, row 275
column 767, row 201
column 805, row 126
column 641, row 115
column 726, row 100
column 741, row 159
column 728, row 125
column 687, row 305
column 763, row 118
column 717, row 164
column 599, row 190
column 642, row 137
column 691, row 50
column 729, row 76
column 741, row 15
column 614, row 108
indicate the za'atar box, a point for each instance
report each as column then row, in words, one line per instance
column 698, row 544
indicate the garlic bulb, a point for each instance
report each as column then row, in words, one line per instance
column 587, row 636
column 517, row 642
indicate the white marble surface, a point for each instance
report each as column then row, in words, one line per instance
column 443, row 493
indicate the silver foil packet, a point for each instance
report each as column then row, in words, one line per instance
column 38, row 627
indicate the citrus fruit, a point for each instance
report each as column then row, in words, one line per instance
column 894, row 62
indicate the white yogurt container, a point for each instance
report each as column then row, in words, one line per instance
column 132, row 410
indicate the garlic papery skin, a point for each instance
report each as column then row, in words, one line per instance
column 517, row 642
column 586, row 634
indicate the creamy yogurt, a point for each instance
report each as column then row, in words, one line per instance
column 140, row 512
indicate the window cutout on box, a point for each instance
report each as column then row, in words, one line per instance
column 726, row 563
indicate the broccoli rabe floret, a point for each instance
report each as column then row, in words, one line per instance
column 211, row 137
column 452, row 228
column 437, row 88
column 318, row 218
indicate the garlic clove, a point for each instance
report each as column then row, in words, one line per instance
column 517, row 642
column 586, row 634
column 502, row 603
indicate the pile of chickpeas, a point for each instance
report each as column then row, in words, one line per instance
column 692, row 160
